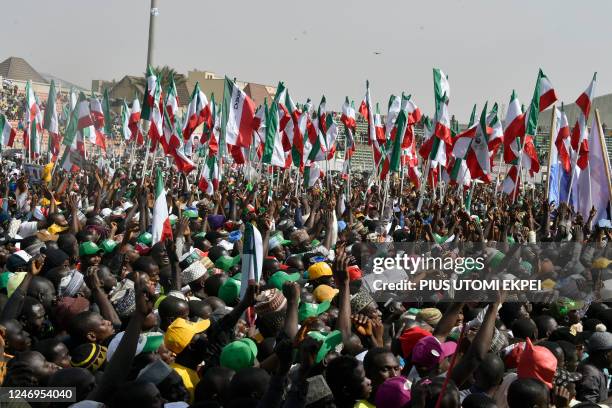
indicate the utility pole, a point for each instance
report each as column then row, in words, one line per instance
column 152, row 17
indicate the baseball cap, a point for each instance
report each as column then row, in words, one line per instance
column 89, row 248
column 324, row 292
column 108, row 245
column 230, row 290
column 319, row 269
column 429, row 352
column 227, row 262
column 180, row 333
column 279, row 278
column 277, row 240
column 190, row 214
column 145, row 238
column 239, row 354
column 354, row 272
column 147, row 343
column 410, row 337
column 17, row 260
column 394, row 392
column 330, row 341
column 307, row 310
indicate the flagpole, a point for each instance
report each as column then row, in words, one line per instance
column 604, row 152
column 552, row 130
column 519, row 175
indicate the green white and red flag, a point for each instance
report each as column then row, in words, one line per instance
column 349, row 121
column 239, row 114
column 125, row 121
column 161, row 228
column 514, row 129
column 51, row 123
column 562, row 140
column 172, row 142
column 134, row 123
column 198, row 112
column 274, row 152
column 209, row 176
column 96, row 133
column 32, row 114
column 8, row 133
column 580, row 132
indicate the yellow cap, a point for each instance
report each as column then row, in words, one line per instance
column 324, row 292
column 319, row 269
column 181, row 332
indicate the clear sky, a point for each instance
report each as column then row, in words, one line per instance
column 487, row 47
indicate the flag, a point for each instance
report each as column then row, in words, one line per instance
column 151, row 109
column 365, row 109
column 134, row 122
column 348, row 119
column 543, row 96
column 51, row 123
column 108, row 130
column 312, row 173
column 294, row 132
column 8, row 133
column 125, row 121
column 558, row 174
column 252, row 257
column 32, row 114
column 600, row 183
column 239, row 114
column 80, row 119
column 209, row 176
column 172, row 142
column 161, row 229
column 514, row 129
column 198, row 112
column 392, row 115
column 96, row 134
column 441, row 128
column 580, row 132
column 562, row 142
column 511, row 184
column 273, row 153
column 408, row 115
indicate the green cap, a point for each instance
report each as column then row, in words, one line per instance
column 145, row 238
column 200, row 235
column 89, row 248
column 227, row 262
column 229, row 291
column 108, row 245
column 329, row 342
column 190, row 214
column 239, row 354
column 172, row 218
column 279, row 278
column 307, row 310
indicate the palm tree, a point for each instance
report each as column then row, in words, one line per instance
column 164, row 73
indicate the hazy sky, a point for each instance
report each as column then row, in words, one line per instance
column 487, row 47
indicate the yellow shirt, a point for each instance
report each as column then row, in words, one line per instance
column 363, row 404
column 190, row 378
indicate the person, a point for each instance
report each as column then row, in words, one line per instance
column 528, row 392
column 347, row 380
column 594, row 384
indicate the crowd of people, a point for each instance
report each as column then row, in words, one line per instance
column 89, row 300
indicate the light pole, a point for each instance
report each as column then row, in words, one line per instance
column 152, row 17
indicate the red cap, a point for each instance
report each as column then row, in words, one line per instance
column 410, row 337
column 537, row 362
column 354, row 272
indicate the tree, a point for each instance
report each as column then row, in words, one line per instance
column 164, row 73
